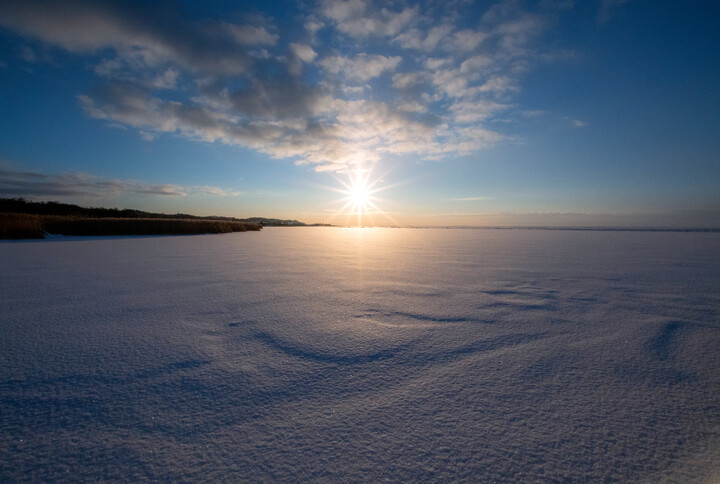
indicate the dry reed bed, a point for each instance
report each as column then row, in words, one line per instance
column 26, row 226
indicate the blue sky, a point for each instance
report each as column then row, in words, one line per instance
column 461, row 113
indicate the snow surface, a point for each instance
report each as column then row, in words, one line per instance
column 341, row 355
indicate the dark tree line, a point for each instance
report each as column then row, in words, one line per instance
column 20, row 205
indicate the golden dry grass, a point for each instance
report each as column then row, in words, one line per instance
column 20, row 226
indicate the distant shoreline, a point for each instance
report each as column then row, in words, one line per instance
column 24, row 219
column 17, row 226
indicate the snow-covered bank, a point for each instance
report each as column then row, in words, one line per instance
column 381, row 354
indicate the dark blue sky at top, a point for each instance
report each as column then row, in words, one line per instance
column 468, row 112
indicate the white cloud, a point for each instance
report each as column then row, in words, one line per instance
column 514, row 36
column 434, row 37
column 433, row 64
column 416, row 39
column 330, row 132
column 147, row 135
column 304, row 52
column 355, row 90
column 242, row 84
column 299, row 54
column 362, row 67
column 411, row 39
column 251, row 35
column 342, row 10
column 109, row 67
column 312, row 26
column 475, row 64
column 210, row 190
column 168, row 80
column 499, row 85
column 149, row 35
column 412, row 107
column 407, row 80
column 356, row 18
column 467, row 40
column 450, row 82
column 474, row 111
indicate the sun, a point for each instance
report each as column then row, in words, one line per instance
column 359, row 194
column 359, row 200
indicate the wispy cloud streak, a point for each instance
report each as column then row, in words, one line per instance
column 20, row 183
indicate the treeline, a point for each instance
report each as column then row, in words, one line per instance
column 21, row 219
column 20, row 205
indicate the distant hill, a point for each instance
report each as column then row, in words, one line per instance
column 20, row 205
column 274, row 222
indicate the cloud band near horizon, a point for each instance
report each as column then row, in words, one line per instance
column 22, row 183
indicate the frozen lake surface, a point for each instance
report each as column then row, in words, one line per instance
column 338, row 355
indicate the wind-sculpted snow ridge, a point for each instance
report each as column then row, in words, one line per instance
column 401, row 355
column 337, row 355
